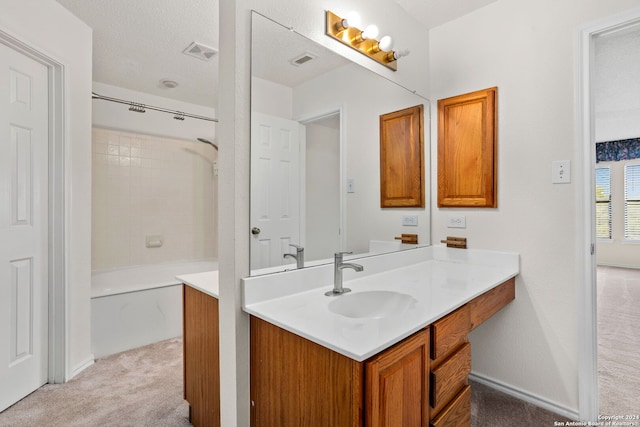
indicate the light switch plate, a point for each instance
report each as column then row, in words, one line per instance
column 561, row 171
column 350, row 186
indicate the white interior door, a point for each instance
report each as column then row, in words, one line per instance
column 23, row 225
column 275, row 189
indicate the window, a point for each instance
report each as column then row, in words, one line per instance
column 632, row 201
column 603, row 202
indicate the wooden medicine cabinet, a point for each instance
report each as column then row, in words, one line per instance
column 402, row 158
column 467, row 148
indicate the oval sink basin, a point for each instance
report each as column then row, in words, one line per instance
column 371, row 304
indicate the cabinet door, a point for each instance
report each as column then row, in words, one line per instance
column 397, row 387
column 467, row 147
column 201, row 357
column 298, row 383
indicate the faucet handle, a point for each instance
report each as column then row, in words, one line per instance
column 298, row 248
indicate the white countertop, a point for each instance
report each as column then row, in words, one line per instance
column 440, row 281
column 206, row 282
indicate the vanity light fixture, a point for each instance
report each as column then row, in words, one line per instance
column 346, row 31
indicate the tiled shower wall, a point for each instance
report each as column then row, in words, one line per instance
column 156, row 189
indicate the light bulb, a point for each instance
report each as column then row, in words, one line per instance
column 386, row 43
column 352, row 20
column 371, row 32
column 400, row 54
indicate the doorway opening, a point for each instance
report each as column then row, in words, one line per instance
column 616, row 132
column 590, row 124
column 322, row 194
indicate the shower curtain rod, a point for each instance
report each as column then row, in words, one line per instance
column 140, row 108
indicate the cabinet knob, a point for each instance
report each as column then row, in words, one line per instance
column 255, row 231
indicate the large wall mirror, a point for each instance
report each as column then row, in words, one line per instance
column 315, row 154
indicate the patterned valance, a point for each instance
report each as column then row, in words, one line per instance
column 614, row 151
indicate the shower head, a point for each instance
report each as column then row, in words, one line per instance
column 208, row 141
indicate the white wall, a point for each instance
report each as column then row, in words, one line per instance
column 363, row 97
column 527, row 49
column 235, row 45
column 271, row 98
column 52, row 30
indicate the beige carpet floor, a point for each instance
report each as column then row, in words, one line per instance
column 619, row 340
column 141, row 387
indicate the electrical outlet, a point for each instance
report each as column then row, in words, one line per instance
column 457, row 221
column 410, row 220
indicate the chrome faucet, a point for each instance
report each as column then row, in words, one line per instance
column 298, row 256
column 338, row 266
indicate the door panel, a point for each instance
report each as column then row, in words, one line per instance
column 275, row 189
column 23, row 225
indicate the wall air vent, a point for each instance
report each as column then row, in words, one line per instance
column 303, row 59
column 200, row 51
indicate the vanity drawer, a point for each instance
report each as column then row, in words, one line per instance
column 450, row 377
column 449, row 332
column 457, row 413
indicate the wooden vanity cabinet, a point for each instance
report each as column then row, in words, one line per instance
column 449, row 390
column 450, row 368
column 295, row 382
column 396, row 384
column 201, row 357
column 420, row 381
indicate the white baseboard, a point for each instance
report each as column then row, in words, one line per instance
column 562, row 411
column 81, row 367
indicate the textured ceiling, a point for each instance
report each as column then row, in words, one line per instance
column 138, row 43
column 275, row 65
column 436, row 12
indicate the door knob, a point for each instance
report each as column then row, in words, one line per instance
column 255, row 231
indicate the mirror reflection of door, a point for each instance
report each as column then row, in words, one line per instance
column 322, row 187
column 275, row 189
column 295, row 188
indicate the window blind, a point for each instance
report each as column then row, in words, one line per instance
column 632, row 201
column 603, row 203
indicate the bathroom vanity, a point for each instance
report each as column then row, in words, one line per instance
column 318, row 362
column 201, row 347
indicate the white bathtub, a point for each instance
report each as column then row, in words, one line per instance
column 136, row 306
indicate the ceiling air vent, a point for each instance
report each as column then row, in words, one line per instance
column 302, row 59
column 200, row 51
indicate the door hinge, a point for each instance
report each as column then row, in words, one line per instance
column 593, row 248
